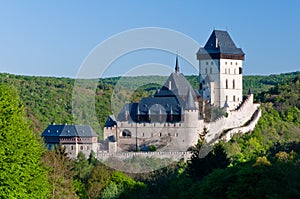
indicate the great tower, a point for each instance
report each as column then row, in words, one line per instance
column 220, row 71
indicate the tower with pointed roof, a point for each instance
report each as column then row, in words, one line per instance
column 220, row 71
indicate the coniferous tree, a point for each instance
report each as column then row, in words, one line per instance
column 206, row 158
column 21, row 172
column 60, row 173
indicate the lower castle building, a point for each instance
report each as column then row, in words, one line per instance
column 74, row 138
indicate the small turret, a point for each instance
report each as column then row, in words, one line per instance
column 190, row 102
column 226, row 107
column 149, row 115
column 171, row 115
column 138, row 113
column 249, row 91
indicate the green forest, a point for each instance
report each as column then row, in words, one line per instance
column 261, row 164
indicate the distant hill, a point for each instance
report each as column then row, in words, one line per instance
column 49, row 99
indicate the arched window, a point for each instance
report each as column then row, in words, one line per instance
column 226, row 83
column 233, row 84
column 210, row 70
column 126, row 133
column 206, row 70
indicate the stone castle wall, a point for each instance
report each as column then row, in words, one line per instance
column 180, row 136
column 244, row 129
column 175, row 155
column 235, row 118
column 165, row 136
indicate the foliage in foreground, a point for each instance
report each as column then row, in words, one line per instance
column 21, row 172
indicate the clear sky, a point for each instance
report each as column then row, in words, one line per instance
column 52, row 38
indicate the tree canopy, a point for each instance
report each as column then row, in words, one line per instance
column 21, row 172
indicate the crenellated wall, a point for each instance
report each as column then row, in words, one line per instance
column 236, row 118
column 176, row 156
column 244, row 129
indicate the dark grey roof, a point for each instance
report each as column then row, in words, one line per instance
column 152, row 105
column 162, row 105
column 208, row 79
column 179, row 85
column 220, row 42
column 69, row 131
column 111, row 121
column 175, row 96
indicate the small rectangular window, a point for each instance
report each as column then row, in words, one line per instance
column 240, row 70
column 234, row 98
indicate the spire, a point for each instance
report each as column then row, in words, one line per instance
column 226, row 104
column 177, row 65
column 249, row 91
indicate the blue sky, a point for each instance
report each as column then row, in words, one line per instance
column 52, row 38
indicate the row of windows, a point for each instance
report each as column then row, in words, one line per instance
column 227, row 70
column 226, row 84
column 212, row 63
column 231, row 63
column 128, row 135
column 154, row 124
column 160, row 134
column 233, row 98
column 210, row 70
column 81, row 147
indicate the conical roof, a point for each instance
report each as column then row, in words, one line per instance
column 190, row 102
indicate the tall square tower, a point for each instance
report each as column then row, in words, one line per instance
column 220, row 71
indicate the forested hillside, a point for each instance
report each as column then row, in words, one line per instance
column 48, row 99
column 262, row 164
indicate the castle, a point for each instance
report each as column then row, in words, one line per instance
column 174, row 117
column 172, row 120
